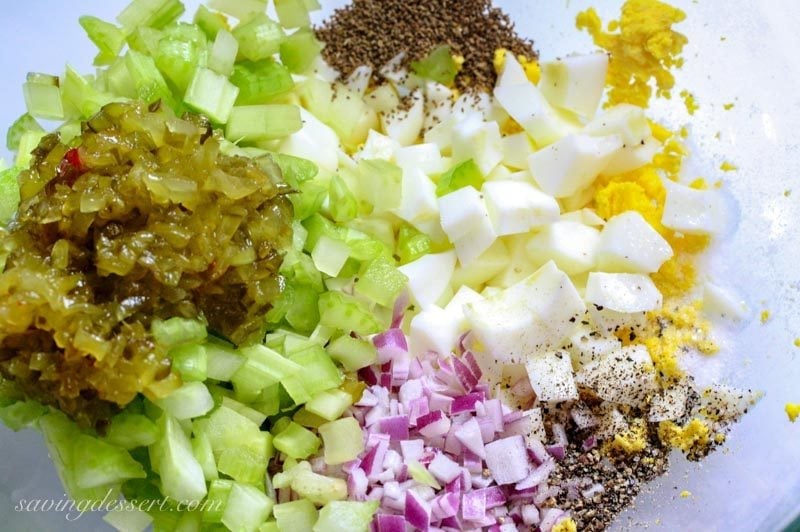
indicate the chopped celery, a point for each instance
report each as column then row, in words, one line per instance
column 318, row 489
column 303, row 310
column 102, row 464
column 329, row 404
column 259, row 38
column 217, row 500
column 209, row 21
column 299, row 268
column 247, row 507
column 343, row 440
column 147, row 80
column 299, row 50
column 9, row 194
column 352, row 353
column 22, row 124
column 320, row 373
column 247, row 462
column 280, row 425
column 346, row 516
column 144, row 40
column 152, row 13
column 263, row 367
column 294, row 343
column 81, row 96
column 294, row 169
column 268, row 401
column 201, row 448
column 189, row 521
column 69, row 131
column 347, row 313
column 296, row 441
column 227, row 428
column 251, row 123
column 412, row 244
column 260, row 81
column 381, row 281
column 380, row 229
column 43, row 97
column 317, row 226
column 329, row 255
column 177, row 331
column 381, row 180
column 269, row 526
column 363, row 247
column 21, row 414
column 211, row 94
column 128, row 430
column 439, row 65
column 242, row 9
column 191, row 361
column 292, row 13
column 306, row 419
column 309, row 200
column 295, row 515
column 461, row 175
column 27, row 143
column 223, row 53
column 190, row 400
column 180, row 51
column 343, row 204
column 181, row 475
column 312, row 5
column 128, row 519
column 321, row 334
column 253, row 415
column 222, row 360
column 108, row 38
column 422, row 475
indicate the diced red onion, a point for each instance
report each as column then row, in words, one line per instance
column 537, row 451
column 441, row 402
column 390, row 523
column 469, row 360
column 507, row 460
column 589, row 443
column 390, row 345
column 544, row 494
column 368, row 375
column 395, row 426
column 357, row 484
column 530, row 514
column 469, row 435
column 538, row 475
column 376, row 414
column 417, row 408
column 444, row 469
column 393, row 461
column 399, row 308
column 557, row 451
column 559, row 434
column 410, row 390
column 465, row 403
column 473, row 505
column 494, row 411
column 487, row 429
column 417, row 511
column 466, row 378
column 445, row 505
column 435, row 423
column 415, row 370
column 412, row 450
column 372, row 463
column 401, row 367
column 472, row 462
column 480, row 481
column 549, row 518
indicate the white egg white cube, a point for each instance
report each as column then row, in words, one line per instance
column 722, row 304
column 418, row 202
column 474, row 244
column 425, row 157
column 433, row 329
column 512, row 74
column 692, row 211
column 429, row 277
column 404, row 125
column 572, row 245
column 377, row 146
column 572, row 164
column 472, row 103
column 625, row 376
column 669, row 404
column 632, row 157
column 462, row 212
column 624, row 120
column 526, row 104
column 517, row 207
column 383, row 98
column 438, row 104
column 475, row 273
column 475, row 139
column 315, row 141
column 358, row 80
column 441, row 134
column 586, row 346
column 551, row 377
column 575, row 82
column 609, row 321
column 584, row 216
column 629, row 244
column 516, row 149
column 623, row 292
column 519, row 265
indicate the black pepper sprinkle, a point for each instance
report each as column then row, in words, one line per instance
column 372, row 32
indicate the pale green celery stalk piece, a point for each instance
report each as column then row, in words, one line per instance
column 178, row 331
column 81, row 96
column 295, row 515
column 21, row 414
column 153, row 13
column 343, row 203
column 299, row 50
column 178, row 56
column 128, row 519
column 330, row 404
column 381, row 281
column 201, row 448
column 246, row 509
column 347, row 313
column 108, row 38
column 100, row 464
column 296, row 441
column 252, row 123
column 191, row 362
column 320, row 373
column 381, row 181
column 22, row 124
column 243, row 10
column 329, row 255
column 181, row 475
column 223, row 53
column 217, row 500
column 352, row 353
column 292, row 13
column 211, row 94
column 190, row 400
column 148, row 82
column 308, row 420
column 129, row 430
column 259, row 38
column 9, row 193
column 27, row 143
column 43, row 97
column 209, row 21
column 343, row 440
column 253, row 415
column 222, row 359
column 346, row 516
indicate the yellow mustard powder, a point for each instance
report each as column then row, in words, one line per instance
column 643, row 47
column 565, row 525
column 792, row 410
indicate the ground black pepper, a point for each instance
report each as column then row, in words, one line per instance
column 372, row 32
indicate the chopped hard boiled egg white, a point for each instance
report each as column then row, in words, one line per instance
column 629, row 244
column 575, row 82
column 622, row 292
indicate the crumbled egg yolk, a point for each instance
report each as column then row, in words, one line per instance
column 689, row 101
column 693, row 435
column 727, row 106
column 643, row 47
column 792, row 410
column 728, row 167
column 685, row 494
column 765, row 316
column 565, row 525
column 632, row 441
column 797, row 342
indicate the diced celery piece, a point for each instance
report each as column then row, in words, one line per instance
column 381, row 180
column 321, row 334
column 177, row 331
column 295, row 390
column 270, row 526
column 190, row 400
column 263, row 367
column 381, row 281
column 343, row 440
column 22, row 124
column 201, row 448
column 242, row 9
column 209, row 21
column 292, row 13
column 108, row 38
column 144, row 40
column 352, row 353
column 294, row 343
column 27, row 143
column 422, row 475
column 129, row 431
column 319, row 371
column 181, row 474
column 294, row 169
column 128, row 519
column 69, row 131
column 329, row 255
column 147, row 80
column 259, row 38
column 347, row 313
column 247, row 463
column 268, row 401
column 102, row 464
column 222, row 359
column 280, row 425
column 461, row 175
column 329, row 404
column 317, row 226
column 223, row 53
column 81, row 96
column 21, row 414
column 153, row 13
column 346, row 516
column 343, row 204
column 299, row 267
column 217, row 500
column 251, row 123
column 43, row 97
column 190, row 361
column 211, row 94
column 318, row 489
column 247, row 507
column 253, row 415
column 189, row 521
column 309, row 200
column 299, row 50
column 412, row 244
column 180, row 51
column 306, row 419
column 9, row 194
column 439, row 65
column 363, row 247
column 227, row 429
column 296, row 441
column 295, row 515
column 312, row 5
column 303, row 310
column 260, row 81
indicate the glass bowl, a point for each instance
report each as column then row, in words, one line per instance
column 745, row 54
